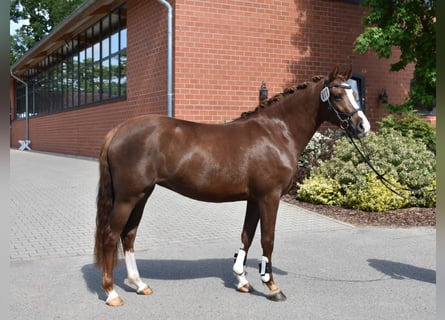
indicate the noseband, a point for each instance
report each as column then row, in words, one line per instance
column 344, row 117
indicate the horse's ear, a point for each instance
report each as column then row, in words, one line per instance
column 333, row 74
column 348, row 73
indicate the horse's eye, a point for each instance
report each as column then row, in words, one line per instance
column 337, row 97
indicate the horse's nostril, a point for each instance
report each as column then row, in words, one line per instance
column 362, row 128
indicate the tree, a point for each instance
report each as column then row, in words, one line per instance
column 409, row 25
column 42, row 15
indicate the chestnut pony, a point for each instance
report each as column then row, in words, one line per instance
column 252, row 158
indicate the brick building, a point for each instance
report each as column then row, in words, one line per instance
column 108, row 62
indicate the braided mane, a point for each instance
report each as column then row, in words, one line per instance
column 279, row 96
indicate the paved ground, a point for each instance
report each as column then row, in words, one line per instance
column 328, row 269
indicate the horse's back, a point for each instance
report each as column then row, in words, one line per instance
column 178, row 154
column 208, row 162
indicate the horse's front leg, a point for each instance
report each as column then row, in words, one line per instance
column 268, row 215
column 239, row 267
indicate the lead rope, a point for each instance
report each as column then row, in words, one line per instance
column 390, row 186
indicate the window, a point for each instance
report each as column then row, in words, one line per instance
column 89, row 69
column 357, row 82
column 20, row 108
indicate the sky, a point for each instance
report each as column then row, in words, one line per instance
column 14, row 26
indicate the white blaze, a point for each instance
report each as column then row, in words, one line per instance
column 365, row 123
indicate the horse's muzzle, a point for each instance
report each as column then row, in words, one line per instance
column 361, row 128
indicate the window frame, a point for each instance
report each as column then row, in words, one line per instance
column 65, row 80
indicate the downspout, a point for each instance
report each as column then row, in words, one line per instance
column 26, row 104
column 169, row 57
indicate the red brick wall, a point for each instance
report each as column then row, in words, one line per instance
column 225, row 49
column 81, row 131
column 147, row 57
column 78, row 132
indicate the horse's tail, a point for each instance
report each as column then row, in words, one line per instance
column 104, row 201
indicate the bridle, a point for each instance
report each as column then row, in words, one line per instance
column 345, row 118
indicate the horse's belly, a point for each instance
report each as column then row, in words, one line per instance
column 208, row 191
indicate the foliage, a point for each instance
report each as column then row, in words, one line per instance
column 427, row 196
column 372, row 196
column 411, row 26
column 319, row 149
column 320, row 190
column 411, row 125
column 347, row 180
column 42, row 15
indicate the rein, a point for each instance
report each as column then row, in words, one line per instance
column 345, row 122
column 390, row 186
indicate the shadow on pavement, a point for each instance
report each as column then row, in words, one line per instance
column 172, row 270
column 400, row 271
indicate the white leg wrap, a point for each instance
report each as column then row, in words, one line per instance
column 242, row 280
column 113, row 294
column 132, row 271
column 264, row 266
column 238, row 267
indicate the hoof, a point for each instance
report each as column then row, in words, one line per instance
column 145, row 292
column 115, row 302
column 278, row 296
column 247, row 288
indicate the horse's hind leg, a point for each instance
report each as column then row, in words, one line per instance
column 118, row 219
column 128, row 237
column 124, row 219
column 250, row 224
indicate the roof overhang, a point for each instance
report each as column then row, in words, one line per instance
column 83, row 17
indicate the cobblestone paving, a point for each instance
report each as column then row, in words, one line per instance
column 53, row 211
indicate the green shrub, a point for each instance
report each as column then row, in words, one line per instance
column 412, row 125
column 374, row 196
column 319, row 149
column 348, row 181
column 320, row 190
column 427, row 196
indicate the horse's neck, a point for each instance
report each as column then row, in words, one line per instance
column 301, row 113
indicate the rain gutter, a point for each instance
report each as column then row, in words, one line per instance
column 169, row 57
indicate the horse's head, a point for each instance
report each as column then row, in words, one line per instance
column 343, row 108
